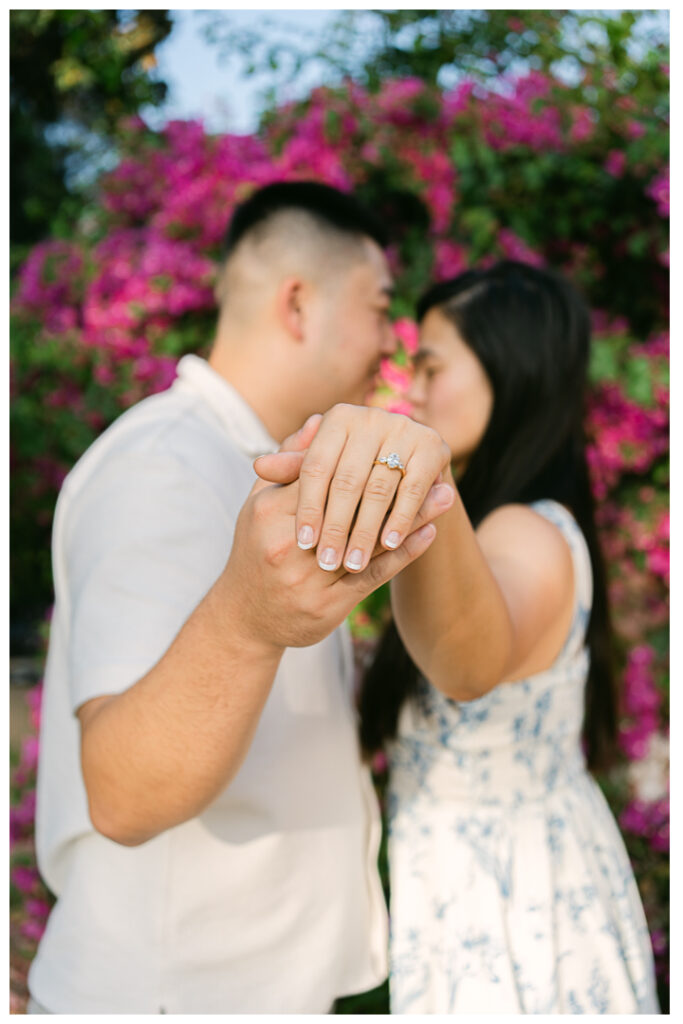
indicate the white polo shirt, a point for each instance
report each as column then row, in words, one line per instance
column 269, row 901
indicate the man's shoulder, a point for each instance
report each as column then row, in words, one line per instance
column 170, row 431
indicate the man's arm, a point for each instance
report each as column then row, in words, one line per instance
column 158, row 753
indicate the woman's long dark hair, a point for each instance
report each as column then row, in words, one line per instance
column 530, row 330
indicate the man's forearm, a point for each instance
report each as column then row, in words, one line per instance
column 157, row 754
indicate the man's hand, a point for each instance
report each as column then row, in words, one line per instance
column 344, row 501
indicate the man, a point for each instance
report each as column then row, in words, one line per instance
column 203, row 816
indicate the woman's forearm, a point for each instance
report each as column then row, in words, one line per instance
column 451, row 613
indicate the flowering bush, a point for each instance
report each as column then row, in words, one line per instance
column 532, row 171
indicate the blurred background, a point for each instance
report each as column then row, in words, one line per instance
column 536, row 135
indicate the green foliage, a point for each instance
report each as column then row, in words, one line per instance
column 73, row 75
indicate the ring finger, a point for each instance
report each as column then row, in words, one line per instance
column 350, row 487
column 379, row 493
column 410, row 494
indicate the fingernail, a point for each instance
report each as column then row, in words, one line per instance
column 305, row 538
column 328, row 559
column 310, row 419
column 393, row 539
column 443, row 494
column 426, row 532
column 354, row 559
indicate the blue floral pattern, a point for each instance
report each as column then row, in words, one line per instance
column 511, row 889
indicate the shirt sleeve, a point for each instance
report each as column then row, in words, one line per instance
column 143, row 542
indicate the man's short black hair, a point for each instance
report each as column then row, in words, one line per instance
column 339, row 210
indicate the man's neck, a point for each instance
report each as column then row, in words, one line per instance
column 265, row 390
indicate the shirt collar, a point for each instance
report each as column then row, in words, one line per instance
column 236, row 415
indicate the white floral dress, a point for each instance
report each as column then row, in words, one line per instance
column 511, row 889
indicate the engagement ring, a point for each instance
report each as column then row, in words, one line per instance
column 392, row 461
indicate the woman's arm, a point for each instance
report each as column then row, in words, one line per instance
column 479, row 608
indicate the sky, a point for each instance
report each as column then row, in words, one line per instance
column 201, row 85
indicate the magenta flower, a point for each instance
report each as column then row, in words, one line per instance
column 583, row 124
column 658, row 189
column 450, row 259
column 397, row 377
column 32, row 930
column 407, row 332
column 635, row 129
column 29, row 752
column 39, row 910
column 615, row 164
column 25, row 878
column 515, row 248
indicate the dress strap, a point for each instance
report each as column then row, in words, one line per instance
column 562, row 518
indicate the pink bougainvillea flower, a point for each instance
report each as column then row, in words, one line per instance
column 615, row 164
column 658, row 189
column 397, row 377
column 407, row 332
column 32, row 929
column 39, row 910
column 515, row 248
column 450, row 259
column 25, row 878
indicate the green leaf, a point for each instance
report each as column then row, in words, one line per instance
column 639, row 380
column 604, row 361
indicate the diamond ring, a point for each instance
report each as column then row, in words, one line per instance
column 391, row 461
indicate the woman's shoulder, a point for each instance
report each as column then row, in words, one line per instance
column 544, row 517
column 520, row 542
column 544, row 538
column 545, row 523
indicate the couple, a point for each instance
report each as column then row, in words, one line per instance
column 204, row 814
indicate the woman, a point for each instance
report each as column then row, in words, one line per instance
column 511, row 890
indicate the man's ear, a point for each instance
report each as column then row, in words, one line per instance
column 289, row 306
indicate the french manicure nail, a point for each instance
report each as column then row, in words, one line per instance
column 305, row 538
column 443, row 494
column 393, row 539
column 354, row 559
column 328, row 559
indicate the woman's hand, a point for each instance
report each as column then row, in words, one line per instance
column 347, row 503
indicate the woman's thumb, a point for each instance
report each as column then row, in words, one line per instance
column 282, row 467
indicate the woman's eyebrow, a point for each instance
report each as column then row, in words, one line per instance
column 422, row 355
